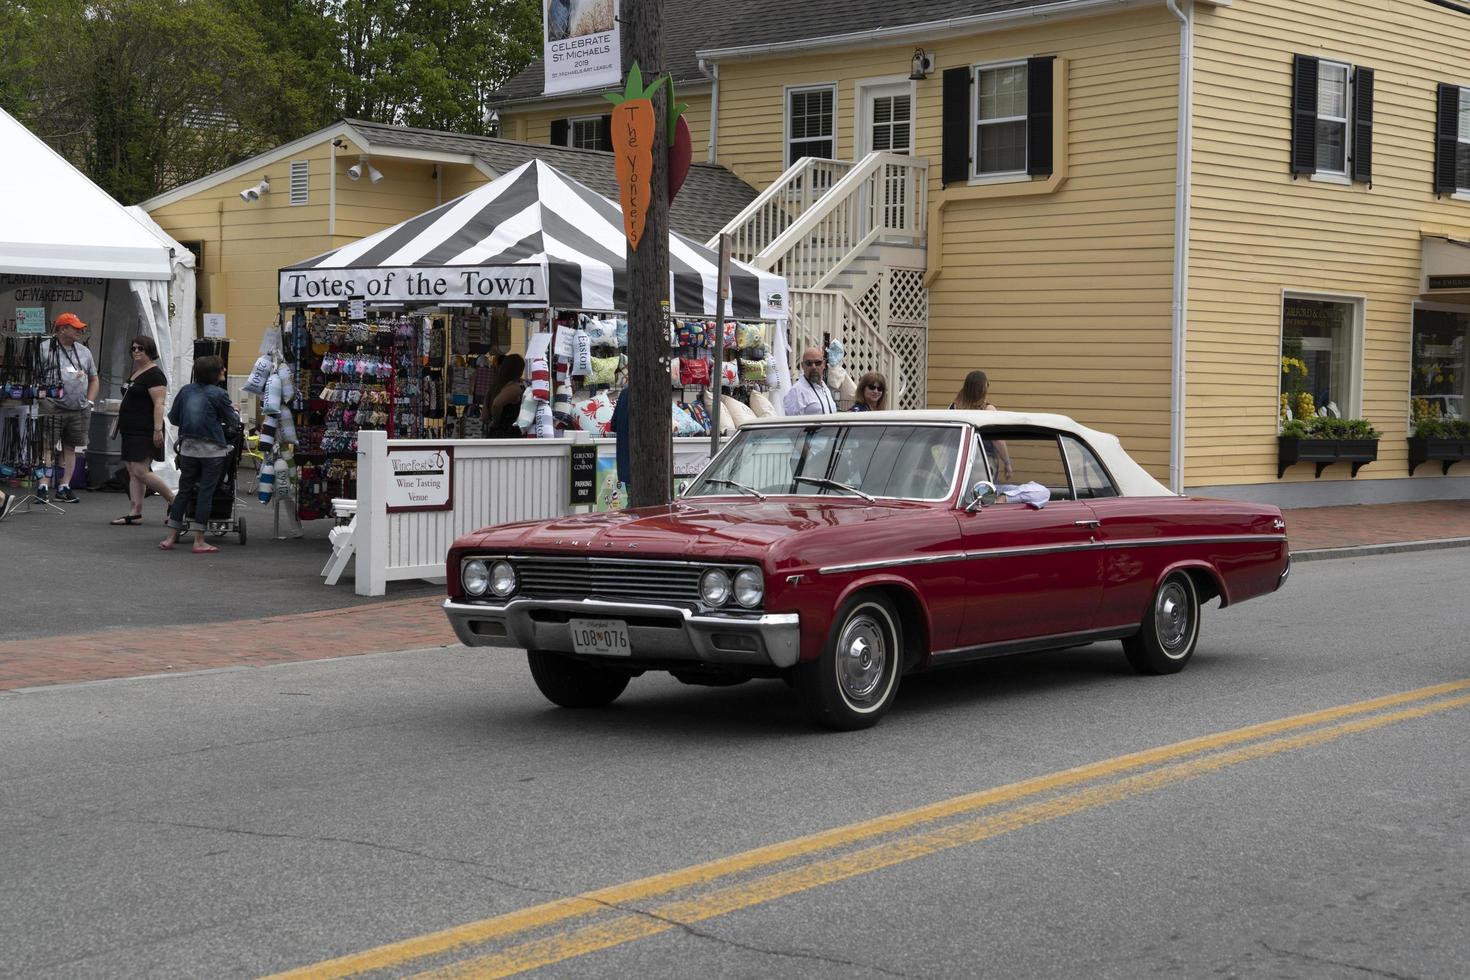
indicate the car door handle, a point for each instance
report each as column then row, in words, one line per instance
column 1091, row 523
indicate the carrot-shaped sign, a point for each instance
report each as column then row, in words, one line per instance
column 632, row 139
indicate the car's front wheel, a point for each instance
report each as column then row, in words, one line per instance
column 575, row 683
column 854, row 682
column 1170, row 629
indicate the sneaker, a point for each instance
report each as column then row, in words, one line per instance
column 63, row 492
column 42, row 494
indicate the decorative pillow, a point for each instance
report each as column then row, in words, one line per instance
column 565, row 337
column 594, row 415
column 750, row 335
column 604, row 333
column 700, row 414
column 684, row 424
column 731, row 329
column 692, row 333
column 622, row 332
column 581, row 354
column 693, row 371
column 730, row 373
column 545, row 426
column 753, row 371
column 736, row 411
column 605, row 369
column 561, row 406
column 761, row 405
column 527, row 416
column 255, row 384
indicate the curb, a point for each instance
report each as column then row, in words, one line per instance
column 1370, row 550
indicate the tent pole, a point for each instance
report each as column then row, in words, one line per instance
column 722, row 295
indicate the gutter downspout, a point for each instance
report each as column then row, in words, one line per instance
column 712, row 72
column 332, row 194
column 1184, row 165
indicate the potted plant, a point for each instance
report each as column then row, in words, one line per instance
column 1324, row 441
column 1446, row 440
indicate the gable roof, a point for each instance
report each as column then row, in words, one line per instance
column 710, row 197
column 693, row 26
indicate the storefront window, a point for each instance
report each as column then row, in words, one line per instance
column 1318, row 358
column 1441, row 372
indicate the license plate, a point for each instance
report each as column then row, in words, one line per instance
column 604, row 637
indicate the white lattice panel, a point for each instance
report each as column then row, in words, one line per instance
column 871, row 303
column 911, row 344
column 908, row 299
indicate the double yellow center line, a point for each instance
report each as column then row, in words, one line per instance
column 596, row 920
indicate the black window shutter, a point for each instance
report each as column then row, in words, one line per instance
column 1304, row 115
column 560, row 131
column 604, row 133
column 1446, row 139
column 1039, row 116
column 957, row 124
column 1363, row 125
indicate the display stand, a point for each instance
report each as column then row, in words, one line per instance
column 27, row 438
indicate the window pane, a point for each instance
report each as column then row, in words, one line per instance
column 1465, row 114
column 1331, row 146
column 1000, row 147
column 1462, row 167
column 1440, row 380
column 1317, row 338
column 1002, row 92
column 585, row 133
column 1332, row 85
column 1087, row 471
column 1035, row 459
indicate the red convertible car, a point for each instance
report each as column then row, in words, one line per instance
column 841, row 552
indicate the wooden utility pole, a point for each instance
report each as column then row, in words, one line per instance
column 650, row 440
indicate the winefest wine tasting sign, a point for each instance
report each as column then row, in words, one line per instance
column 421, row 478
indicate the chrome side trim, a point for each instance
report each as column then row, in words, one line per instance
column 1200, row 539
column 1030, row 645
column 863, row 566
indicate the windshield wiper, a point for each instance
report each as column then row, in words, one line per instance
column 834, row 485
column 739, row 486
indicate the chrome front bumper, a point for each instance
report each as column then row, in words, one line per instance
column 656, row 632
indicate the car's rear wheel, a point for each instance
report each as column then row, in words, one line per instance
column 854, row 682
column 1170, row 629
column 575, row 683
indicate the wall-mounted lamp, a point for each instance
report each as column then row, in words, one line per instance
column 921, row 65
column 253, row 193
column 355, row 171
column 339, row 142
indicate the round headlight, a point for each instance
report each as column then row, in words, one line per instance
column 502, row 578
column 475, row 577
column 750, row 587
column 714, row 586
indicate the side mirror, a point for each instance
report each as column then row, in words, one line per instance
column 979, row 490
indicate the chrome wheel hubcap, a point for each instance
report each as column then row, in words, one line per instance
column 862, row 658
column 1172, row 618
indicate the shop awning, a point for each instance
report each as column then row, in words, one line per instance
column 532, row 236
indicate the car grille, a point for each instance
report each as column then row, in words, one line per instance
column 585, row 578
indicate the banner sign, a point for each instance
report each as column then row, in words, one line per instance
column 582, row 45
column 480, row 284
column 53, row 296
column 30, row 319
column 421, row 479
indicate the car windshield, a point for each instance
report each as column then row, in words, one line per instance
column 915, row 462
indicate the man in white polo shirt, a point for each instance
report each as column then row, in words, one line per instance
column 810, row 395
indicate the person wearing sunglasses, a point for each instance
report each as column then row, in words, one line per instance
column 140, row 424
column 810, row 395
column 872, row 393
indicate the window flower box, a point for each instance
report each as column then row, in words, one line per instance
column 1445, row 441
column 1324, row 441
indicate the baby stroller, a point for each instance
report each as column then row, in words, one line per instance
column 224, row 516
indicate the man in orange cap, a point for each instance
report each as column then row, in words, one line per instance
column 70, row 367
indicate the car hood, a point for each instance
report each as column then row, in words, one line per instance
column 681, row 529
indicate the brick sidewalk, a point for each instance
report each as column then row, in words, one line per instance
column 1310, row 528
column 403, row 624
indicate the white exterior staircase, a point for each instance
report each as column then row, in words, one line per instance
column 849, row 238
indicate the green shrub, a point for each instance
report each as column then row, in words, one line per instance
column 1320, row 427
column 1442, row 429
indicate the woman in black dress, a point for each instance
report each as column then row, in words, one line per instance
column 140, row 423
column 503, row 400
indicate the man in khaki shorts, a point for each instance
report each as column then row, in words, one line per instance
column 68, row 364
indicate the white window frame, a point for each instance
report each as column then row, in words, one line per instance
column 1342, row 176
column 995, row 175
column 860, row 140
column 1435, row 307
column 1359, row 303
column 573, row 122
column 303, row 169
column 1463, row 143
column 786, row 140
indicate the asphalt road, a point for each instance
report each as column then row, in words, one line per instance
column 242, row 822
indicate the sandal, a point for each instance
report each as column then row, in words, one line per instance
column 165, row 546
column 128, row 520
column 208, row 549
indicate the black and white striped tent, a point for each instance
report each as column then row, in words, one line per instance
column 532, row 236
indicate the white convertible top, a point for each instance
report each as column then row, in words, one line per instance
column 1133, row 480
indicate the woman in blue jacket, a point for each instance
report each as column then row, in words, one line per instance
column 200, row 410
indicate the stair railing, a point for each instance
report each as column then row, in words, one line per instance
column 785, row 200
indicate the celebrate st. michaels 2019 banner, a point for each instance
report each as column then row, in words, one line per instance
column 582, row 44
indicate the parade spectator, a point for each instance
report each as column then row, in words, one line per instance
column 200, row 411
column 974, row 396
column 140, row 424
column 503, row 400
column 810, row 395
column 69, row 365
column 872, row 392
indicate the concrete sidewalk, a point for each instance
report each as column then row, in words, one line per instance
column 83, row 601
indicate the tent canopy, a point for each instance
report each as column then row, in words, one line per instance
column 59, row 223
column 533, row 236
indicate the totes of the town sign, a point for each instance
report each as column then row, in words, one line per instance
column 583, row 44
column 483, row 284
column 421, row 479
